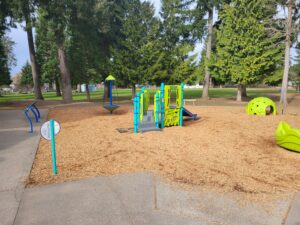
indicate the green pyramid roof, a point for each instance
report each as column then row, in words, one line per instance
column 110, row 77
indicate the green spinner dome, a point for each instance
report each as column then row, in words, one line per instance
column 261, row 106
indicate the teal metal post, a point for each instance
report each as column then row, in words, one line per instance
column 53, row 147
column 162, row 96
column 143, row 89
column 181, row 107
column 136, row 114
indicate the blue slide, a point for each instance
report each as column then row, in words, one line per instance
column 189, row 114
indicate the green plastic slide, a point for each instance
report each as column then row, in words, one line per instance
column 288, row 137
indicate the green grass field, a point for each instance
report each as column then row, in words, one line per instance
column 125, row 94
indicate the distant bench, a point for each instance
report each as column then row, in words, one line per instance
column 33, row 108
column 190, row 100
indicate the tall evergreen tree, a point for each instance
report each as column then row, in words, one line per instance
column 246, row 50
column 26, row 78
column 8, row 44
column 175, row 42
column 207, row 7
column 46, row 51
column 5, row 11
column 24, row 10
column 130, row 58
column 85, row 44
column 4, row 70
column 58, row 12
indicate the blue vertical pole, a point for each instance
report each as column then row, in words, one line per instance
column 181, row 105
column 53, row 147
column 157, row 109
column 29, row 120
column 110, row 92
column 162, row 96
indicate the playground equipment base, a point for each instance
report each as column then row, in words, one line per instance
column 111, row 108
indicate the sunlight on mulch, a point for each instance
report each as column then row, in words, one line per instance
column 225, row 150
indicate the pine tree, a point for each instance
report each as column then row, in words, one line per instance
column 130, row 57
column 4, row 71
column 23, row 10
column 246, row 51
column 208, row 7
column 57, row 13
column 5, row 12
column 85, row 44
column 26, row 78
column 46, row 51
column 174, row 44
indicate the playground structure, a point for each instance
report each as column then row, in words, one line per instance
column 261, row 106
column 288, row 137
column 109, row 82
column 164, row 114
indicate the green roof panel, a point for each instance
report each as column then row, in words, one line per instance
column 110, row 77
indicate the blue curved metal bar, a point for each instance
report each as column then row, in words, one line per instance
column 34, row 113
column 37, row 110
column 29, row 120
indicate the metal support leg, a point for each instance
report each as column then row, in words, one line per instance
column 37, row 110
column 29, row 120
column 34, row 113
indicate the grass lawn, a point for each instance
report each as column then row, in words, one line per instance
column 125, row 94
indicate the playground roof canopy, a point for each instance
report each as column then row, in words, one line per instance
column 110, row 77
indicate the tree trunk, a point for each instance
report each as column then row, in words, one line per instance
column 205, row 94
column 34, row 66
column 79, row 88
column 284, row 88
column 133, row 90
column 65, row 75
column 57, row 87
column 88, row 96
column 106, row 91
column 244, row 92
column 241, row 93
column 211, row 83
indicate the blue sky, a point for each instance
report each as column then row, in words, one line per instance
column 21, row 46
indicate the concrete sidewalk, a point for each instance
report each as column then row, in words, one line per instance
column 17, row 152
column 139, row 199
